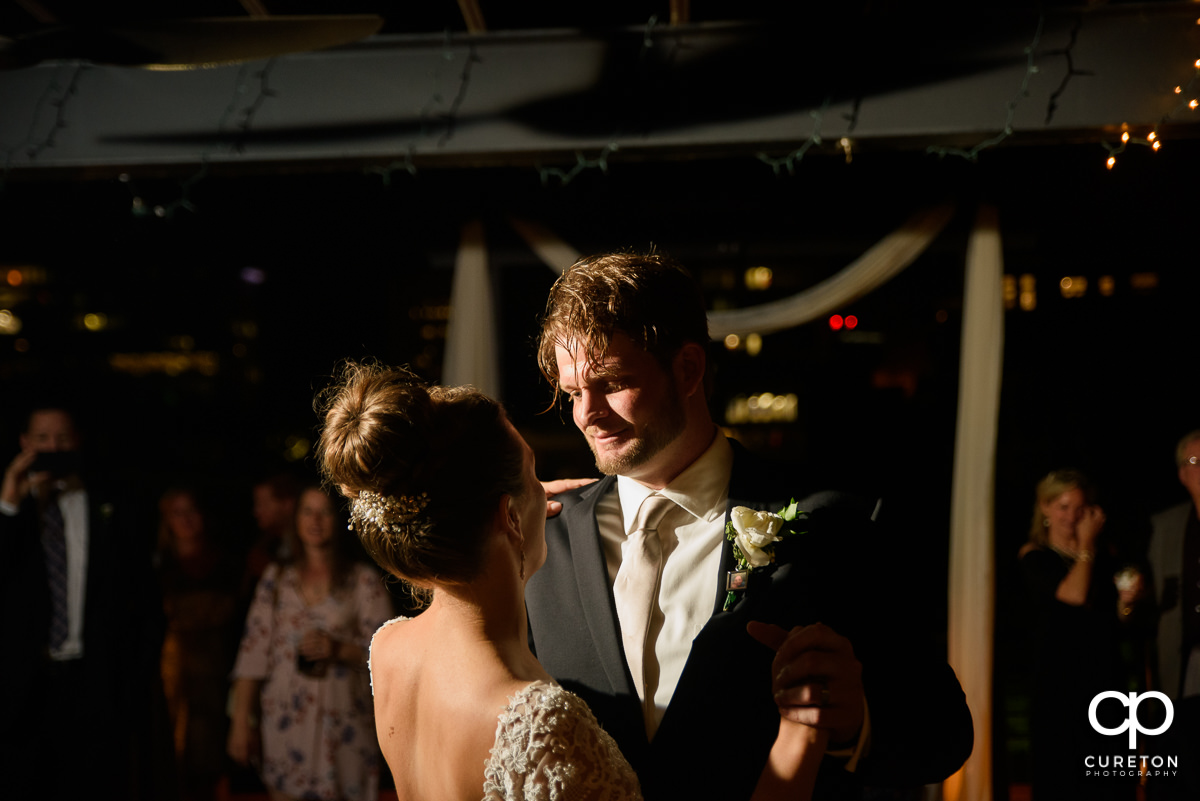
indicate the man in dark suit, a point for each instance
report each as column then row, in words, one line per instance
column 631, row 611
column 82, row 625
column 1174, row 557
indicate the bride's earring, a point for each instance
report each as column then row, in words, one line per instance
column 521, row 551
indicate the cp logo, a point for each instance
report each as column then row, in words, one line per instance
column 1132, row 723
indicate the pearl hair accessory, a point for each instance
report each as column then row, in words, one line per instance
column 386, row 512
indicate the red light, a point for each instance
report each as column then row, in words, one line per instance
column 851, row 321
column 835, row 322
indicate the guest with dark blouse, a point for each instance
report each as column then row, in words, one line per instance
column 199, row 583
column 1069, row 579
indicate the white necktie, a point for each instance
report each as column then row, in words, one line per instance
column 635, row 592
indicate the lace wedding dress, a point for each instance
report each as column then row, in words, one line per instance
column 549, row 747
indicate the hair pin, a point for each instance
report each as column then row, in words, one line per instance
column 386, row 511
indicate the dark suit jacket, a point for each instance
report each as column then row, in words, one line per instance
column 717, row 731
column 1165, row 554
column 122, row 631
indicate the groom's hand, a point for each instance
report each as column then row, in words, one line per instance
column 816, row 678
column 552, row 488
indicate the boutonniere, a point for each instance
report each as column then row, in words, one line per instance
column 106, row 511
column 754, row 535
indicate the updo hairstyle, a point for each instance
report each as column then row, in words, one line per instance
column 444, row 453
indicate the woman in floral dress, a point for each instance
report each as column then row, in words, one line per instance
column 302, row 667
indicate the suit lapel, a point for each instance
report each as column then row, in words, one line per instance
column 595, row 593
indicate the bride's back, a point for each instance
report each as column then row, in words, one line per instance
column 436, row 708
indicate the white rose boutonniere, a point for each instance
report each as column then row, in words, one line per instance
column 754, row 535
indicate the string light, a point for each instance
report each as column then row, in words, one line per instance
column 792, row 159
column 1031, row 69
column 61, row 97
column 138, row 206
column 581, row 163
column 1153, row 138
column 1069, row 54
column 385, row 172
column 464, row 81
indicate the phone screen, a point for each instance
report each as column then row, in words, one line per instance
column 56, row 463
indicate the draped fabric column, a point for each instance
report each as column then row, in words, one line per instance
column 972, row 575
column 471, row 356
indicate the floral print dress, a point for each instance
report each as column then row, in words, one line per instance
column 318, row 734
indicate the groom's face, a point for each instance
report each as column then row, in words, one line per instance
column 627, row 406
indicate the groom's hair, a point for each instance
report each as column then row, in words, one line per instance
column 648, row 297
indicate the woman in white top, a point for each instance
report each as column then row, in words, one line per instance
column 444, row 496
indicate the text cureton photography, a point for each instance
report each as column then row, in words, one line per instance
column 1131, row 764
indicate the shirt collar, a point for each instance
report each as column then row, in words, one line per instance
column 702, row 488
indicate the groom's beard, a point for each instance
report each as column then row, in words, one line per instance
column 657, row 432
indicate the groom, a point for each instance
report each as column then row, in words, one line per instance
column 630, row 609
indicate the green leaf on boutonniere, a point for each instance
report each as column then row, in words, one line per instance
column 789, row 513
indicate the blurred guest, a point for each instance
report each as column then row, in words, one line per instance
column 274, row 516
column 1070, row 581
column 81, row 622
column 1174, row 556
column 199, row 583
column 301, row 668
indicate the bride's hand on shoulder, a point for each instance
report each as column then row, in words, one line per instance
column 560, row 485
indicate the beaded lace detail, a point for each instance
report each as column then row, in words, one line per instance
column 549, row 747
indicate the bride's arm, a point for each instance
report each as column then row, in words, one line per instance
column 791, row 769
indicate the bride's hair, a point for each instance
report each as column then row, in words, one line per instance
column 424, row 468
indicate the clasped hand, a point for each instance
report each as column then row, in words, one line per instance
column 815, row 677
column 316, row 645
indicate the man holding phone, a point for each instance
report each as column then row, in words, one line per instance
column 81, row 619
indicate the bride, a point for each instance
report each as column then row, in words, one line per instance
column 463, row 709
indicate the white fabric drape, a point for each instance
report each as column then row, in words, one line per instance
column 972, row 575
column 554, row 253
column 880, row 263
column 471, row 356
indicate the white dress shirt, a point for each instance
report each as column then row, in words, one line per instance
column 693, row 536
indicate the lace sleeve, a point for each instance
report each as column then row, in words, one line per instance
column 549, row 747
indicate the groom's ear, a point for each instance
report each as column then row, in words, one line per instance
column 689, row 366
